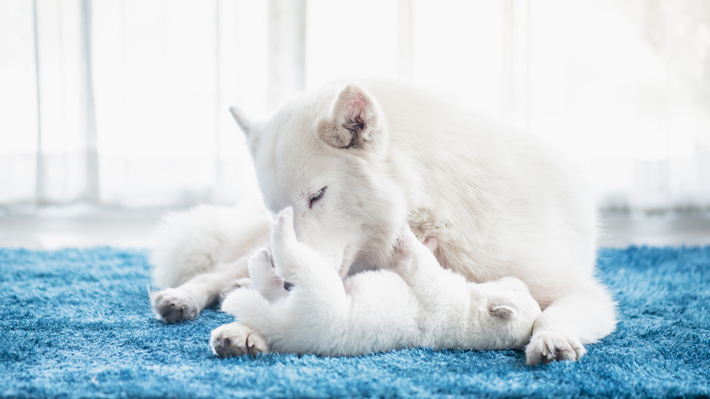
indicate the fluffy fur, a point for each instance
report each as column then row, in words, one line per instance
column 204, row 253
column 499, row 202
column 415, row 304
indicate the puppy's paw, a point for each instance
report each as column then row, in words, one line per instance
column 236, row 339
column 172, row 305
column 264, row 278
column 283, row 233
column 283, row 243
column 261, row 264
column 405, row 245
column 548, row 346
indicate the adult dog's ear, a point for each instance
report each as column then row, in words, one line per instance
column 251, row 128
column 356, row 120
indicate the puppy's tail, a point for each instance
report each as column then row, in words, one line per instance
column 252, row 309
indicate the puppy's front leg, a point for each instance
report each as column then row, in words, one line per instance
column 311, row 275
column 236, row 339
column 264, row 278
column 318, row 291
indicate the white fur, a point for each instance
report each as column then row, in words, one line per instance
column 204, row 252
column 186, row 244
column 416, row 304
column 499, row 202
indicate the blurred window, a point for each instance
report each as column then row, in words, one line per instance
column 124, row 102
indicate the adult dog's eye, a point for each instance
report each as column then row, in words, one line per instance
column 315, row 197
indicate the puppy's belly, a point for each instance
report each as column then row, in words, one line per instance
column 383, row 314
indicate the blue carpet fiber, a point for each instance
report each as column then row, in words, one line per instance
column 76, row 323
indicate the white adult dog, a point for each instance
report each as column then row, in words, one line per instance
column 417, row 304
column 355, row 162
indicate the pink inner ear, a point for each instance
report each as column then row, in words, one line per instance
column 357, row 104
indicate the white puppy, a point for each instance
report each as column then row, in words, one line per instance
column 416, row 304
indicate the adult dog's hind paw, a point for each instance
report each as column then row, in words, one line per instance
column 172, row 305
column 548, row 346
column 236, row 339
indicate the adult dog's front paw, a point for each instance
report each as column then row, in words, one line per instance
column 548, row 346
column 172, row 305
column 236, row 339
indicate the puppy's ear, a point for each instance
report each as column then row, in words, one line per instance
column 503, row 311
column 356, row 120
column 252, row 129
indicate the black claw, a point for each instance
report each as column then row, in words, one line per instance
column 165, row 311
column 171, row 313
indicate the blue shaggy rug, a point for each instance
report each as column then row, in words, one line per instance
column 76, row 323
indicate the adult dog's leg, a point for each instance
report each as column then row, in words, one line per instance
column 583, row 315
column 188, row 300
column 202, row 254
column 189, row 243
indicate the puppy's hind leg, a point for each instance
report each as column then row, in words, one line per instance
column 416, row 263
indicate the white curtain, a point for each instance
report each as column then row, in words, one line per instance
column 123, row 102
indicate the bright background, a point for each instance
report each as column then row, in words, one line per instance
column 124, row 103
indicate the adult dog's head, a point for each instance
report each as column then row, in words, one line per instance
column 326, row 155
